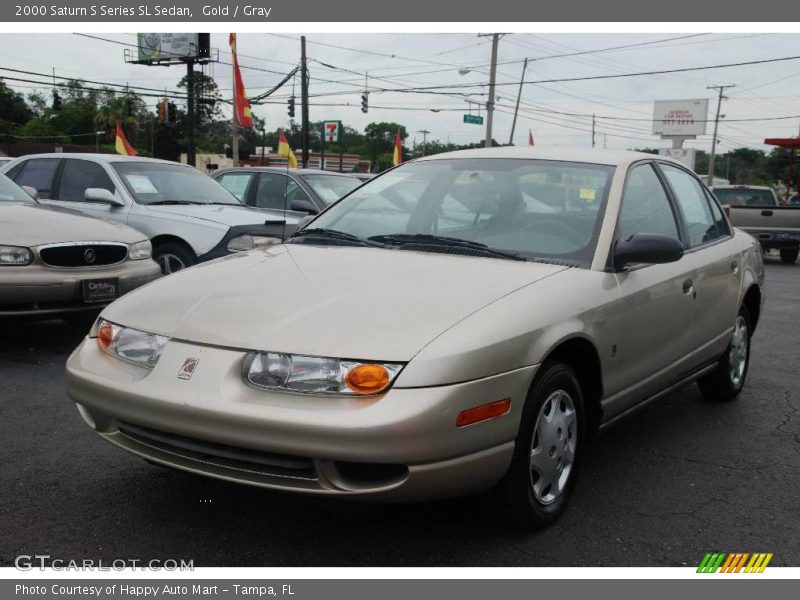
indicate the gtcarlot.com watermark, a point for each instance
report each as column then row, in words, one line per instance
column 27, row 562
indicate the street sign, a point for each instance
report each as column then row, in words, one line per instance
column 332, row 130
column 474, row 119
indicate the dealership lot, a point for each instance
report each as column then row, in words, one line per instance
column 678, row 479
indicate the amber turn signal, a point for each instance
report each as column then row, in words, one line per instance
column 367, row 379
column 483, row 412
column 105, row 335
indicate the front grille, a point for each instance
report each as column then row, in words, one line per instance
column 222, row 455
column 83, row 255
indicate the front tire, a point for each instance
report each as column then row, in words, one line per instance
column 173, row 257
column 789, row 255
column 542, row 474
column 727, row 379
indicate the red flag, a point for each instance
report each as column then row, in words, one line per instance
column 530, row 138
column 121, row 143
column 241, row 105
column 397, row 154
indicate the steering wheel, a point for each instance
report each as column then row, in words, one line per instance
column 558, row 229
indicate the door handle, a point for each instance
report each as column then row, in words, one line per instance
column 734, row 267
column 766, row 213
column 688, row 286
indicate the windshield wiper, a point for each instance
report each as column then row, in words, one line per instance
column 321, row 232
column 173, row 202
column 403, row 239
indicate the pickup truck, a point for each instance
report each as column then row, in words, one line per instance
column 756, row 210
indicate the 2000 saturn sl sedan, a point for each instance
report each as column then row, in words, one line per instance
column 460, row 323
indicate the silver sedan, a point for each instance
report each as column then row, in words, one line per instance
column 458, row 324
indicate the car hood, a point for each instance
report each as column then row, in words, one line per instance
column 347, row 302
column 37, row 224
column 230, row 215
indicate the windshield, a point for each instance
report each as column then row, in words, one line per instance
column 11, row 192
column 329, row 188
column 538, row 209
column 745, row 197
column 161, row 183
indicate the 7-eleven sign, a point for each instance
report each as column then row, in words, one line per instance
column 332, row 131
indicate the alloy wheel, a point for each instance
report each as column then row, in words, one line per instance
column 737, row 352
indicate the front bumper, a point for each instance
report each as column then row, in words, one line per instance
column 403, row 445
column 38, row 290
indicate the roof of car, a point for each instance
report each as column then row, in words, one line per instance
column 585, row 155
column 102, row 157
column 741, row 187
column 285, row 170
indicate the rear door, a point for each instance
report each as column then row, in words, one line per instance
column 38, row 173
column 713, row 253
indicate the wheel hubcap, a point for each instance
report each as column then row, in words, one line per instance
column 737, row 352
column 555, row 438
column 169, row 263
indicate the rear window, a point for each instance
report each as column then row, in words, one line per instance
column 745, row 197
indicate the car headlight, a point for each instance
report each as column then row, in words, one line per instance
column 249, row 242
column 140, row 250
column 318, row 375
column 15, row 255
column 132, row 345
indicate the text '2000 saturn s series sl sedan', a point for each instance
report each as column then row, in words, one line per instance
column 460, row 323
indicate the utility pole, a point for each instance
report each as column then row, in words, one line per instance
column 594, row 123
column 490, row 101
column 720, row 89
column 424, row 133
column 304, row 132
column 519, row 97
column 190, row 156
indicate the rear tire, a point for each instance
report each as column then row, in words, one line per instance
column 539, row 482
column 727, row 379
column 789, row 255
column 173, row 257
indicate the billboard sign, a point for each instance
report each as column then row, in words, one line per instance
column 680, row 117
column 332, row 131
column 171, row 47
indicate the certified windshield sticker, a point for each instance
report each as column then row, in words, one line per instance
column 588, row 194
column 141, row 184
column 187, row 369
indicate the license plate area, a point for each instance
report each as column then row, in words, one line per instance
column 100, row 290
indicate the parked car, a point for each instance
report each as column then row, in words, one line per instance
column 756, row 209
column 59, row 263
column 187, row 216
column 5, row 159
column 300, row 191
column 439, row 331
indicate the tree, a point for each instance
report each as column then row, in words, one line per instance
column 207, row 98
column 14, row 112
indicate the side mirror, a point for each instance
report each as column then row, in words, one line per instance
column 102, row 196
column 303, row 205
column 646, row 248
column 31, row 191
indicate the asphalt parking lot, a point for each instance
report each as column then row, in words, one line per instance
column 678, row 479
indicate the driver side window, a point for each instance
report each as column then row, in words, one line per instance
column 645, row 206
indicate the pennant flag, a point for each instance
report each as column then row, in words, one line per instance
column 121, row 143
column 285, row 149
column 530, row 138
column 241, row 105
column 397, row 155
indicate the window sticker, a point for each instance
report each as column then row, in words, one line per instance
column 141, row 184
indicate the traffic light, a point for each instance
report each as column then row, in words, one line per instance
column 172, row 112
column 291, row 107
column 162, row 111
column 56, row 101
column 365, row 102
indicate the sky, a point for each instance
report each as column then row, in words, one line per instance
column 341, row 66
